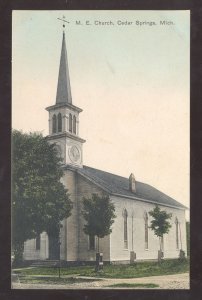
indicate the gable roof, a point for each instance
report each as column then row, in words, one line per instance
column 119, row 186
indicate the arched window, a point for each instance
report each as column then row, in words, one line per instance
column 38, row 242
column 59, row 122
column 146, row 230
column 70, row 122
column 177, row 232
column 54, row 125
column 125, row 228
column 132, row 219
column 74, row 124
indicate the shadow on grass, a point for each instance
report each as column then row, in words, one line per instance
column 134, row 285
column 54, row 280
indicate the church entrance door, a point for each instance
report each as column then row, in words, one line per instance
column 54, row 248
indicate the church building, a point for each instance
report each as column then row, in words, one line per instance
column 131, row 235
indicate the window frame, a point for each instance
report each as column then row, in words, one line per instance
column 146, row 231
column 125, row 229
column 74, row 124
column 59, row 122
column 177, row 233
column 54, row 124
column 38, row 243
column 70, row 122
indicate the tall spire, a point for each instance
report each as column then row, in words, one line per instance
column 63, row 87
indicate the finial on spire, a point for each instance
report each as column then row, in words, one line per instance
column 63, row 20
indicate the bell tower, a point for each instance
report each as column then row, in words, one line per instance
column 64, row 117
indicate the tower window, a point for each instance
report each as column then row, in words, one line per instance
column 125, row 228
column 74, row 124
column 91, row 242
column 177, row 232
column 38, row 242
column 70, row 122
column 54, row 125
column 146, row 231
column 59, row 122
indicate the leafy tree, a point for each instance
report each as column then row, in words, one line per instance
column 39, row 200
column 160, row 224
column 98, row 211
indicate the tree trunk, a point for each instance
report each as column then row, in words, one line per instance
column 97, row 260
column 160, row 251
column 98, row 244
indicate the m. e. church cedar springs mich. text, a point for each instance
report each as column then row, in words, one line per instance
column 124, row 23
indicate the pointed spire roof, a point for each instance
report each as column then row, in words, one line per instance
column 63, row 87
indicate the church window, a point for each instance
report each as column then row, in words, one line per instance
column 177, row 233
column 59, row 122
column 146, row 231
column 38, row 242
column 70, row 122
column 91, row 242
column 54, row 125
column 74, row 124
column 132, row 218
column 125, row 228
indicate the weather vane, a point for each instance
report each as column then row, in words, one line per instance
column 63, row 20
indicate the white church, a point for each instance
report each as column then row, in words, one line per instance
column 131, row 235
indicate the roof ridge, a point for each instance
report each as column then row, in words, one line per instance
column 107, row 172
column 145, row 190
column 149, row 185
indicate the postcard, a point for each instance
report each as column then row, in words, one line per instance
column 100, row 118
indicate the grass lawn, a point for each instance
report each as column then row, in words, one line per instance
column 140, row 269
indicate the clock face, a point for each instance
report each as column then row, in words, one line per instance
column 74, row 154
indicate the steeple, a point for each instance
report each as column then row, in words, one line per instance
column 63, row 88
column 64, row 118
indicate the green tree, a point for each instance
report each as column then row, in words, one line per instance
column 39, row 200
column 98, row 211
column 160, row 224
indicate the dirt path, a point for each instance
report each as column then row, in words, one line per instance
column 176, row 281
